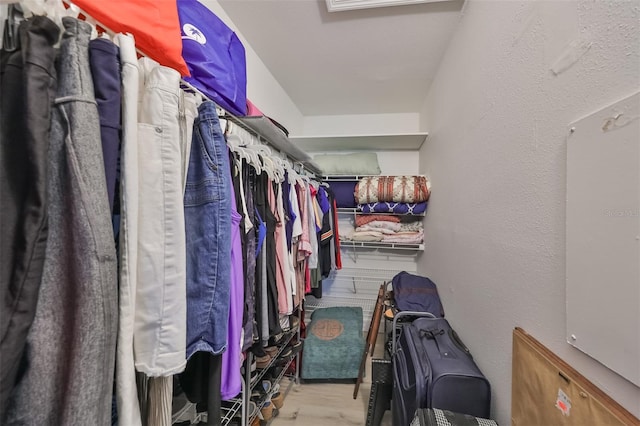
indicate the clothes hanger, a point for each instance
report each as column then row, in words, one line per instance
column 285, row 166
column 263, row 152
column 188, row 88
column 32, row 7
column 236, row 138
column 297, row 179
column 268, row 164
column 235, row 142
column 16, row 13
column 279, row 168
column 56, row 10
column 253, row 159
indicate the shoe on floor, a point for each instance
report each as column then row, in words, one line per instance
column 263, row 361
column 277, row 399
column 272, row 350
column 267, row 411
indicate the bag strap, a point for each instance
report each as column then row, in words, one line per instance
column 433, row 333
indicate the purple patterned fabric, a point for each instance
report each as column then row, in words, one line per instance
column 391, row 207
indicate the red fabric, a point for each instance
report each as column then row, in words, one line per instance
column 307, row 279
column 337, row 236
column 153, row 23
column 363, row 219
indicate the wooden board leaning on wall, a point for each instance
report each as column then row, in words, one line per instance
column 548, row 391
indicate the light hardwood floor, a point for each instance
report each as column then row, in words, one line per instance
column 329, row 403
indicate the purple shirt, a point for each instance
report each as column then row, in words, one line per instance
column 323, row 201
column 231, row 382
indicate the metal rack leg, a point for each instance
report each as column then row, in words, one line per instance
column 246, row 391
column 214, row 402
column 296, row 378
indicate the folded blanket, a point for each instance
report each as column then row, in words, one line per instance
column 405, row 237
column 381, row 230
column 363, row 236
column 378, row 224
column 363, row 219
column 389, row 207
column 411, row 226
column 401, row 189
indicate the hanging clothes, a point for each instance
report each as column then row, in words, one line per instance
column 295, row 206
column 126, row 389
column 304, row 247
column 262, row 322
column 70, row 361
column 200, row 272
column 105, row 70
column 268, row 295
column 293, row 252
column 160, row 326
column 207, row 206
column 282, row 269
column 288, row 216
column 303, row 197
column 208, row 219
column 336, row 232
column 160, row 389
column 312, row 261
column 249, row 320
column 332, row 225
column 326, row 234
column 231, row 381
column 160, row 317
column 28, row 79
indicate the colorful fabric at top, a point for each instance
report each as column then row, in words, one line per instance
column 399, row 189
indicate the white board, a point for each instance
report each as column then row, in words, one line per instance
column 603, row 237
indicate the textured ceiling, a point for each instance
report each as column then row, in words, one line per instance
column 368, row 61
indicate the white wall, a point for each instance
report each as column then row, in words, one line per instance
column 391, row 162
column 497, row 118
column 398, row 162
column 361, row 124
column 263, row 89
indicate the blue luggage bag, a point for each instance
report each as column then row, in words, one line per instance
column 432, row 368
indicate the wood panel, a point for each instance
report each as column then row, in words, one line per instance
column 548, row 391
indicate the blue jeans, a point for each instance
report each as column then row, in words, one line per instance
column 207, row 208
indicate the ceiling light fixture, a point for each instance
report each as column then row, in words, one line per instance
column 340, row 5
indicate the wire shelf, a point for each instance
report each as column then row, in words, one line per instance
column 348, row 244
column 280, row 376
column 328, row 301
column 230, row 409
column 347, row 178
column 358, row 211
